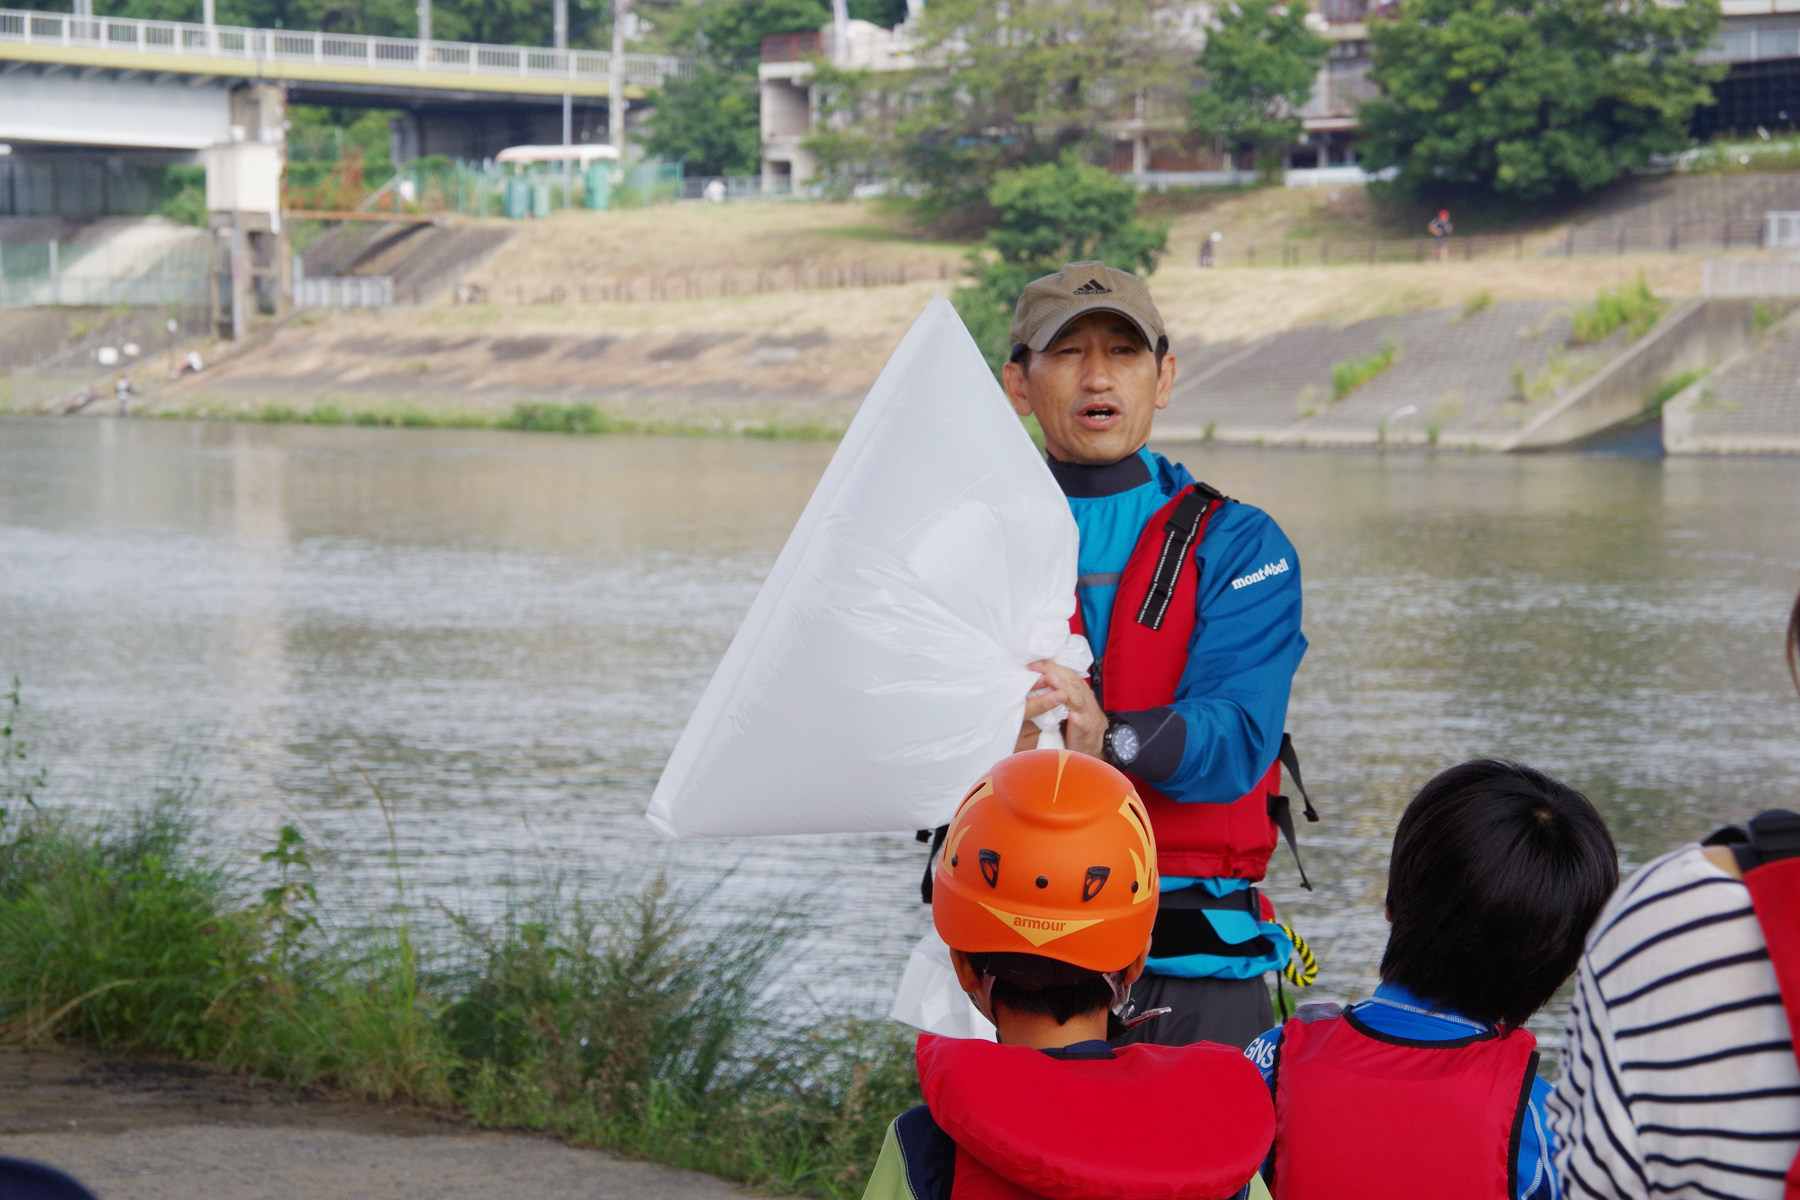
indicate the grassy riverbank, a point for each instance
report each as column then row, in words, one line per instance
column 613, row 1022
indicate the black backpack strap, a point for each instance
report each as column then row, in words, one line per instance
column 1771, row 837
column 1291, row 761
column 936, row 838
column 1179, row 534
column 1281, row 811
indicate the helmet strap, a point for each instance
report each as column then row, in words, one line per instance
column 1121, row 991
column 984, row 999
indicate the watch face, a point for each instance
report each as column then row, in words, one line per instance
column 1124, row 743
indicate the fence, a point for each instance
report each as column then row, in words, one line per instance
column 163, row 38
column 35, row 274
column 1328, row 253
column 1588, row 240
column 1750, row 277
column 344, row 291
column 694, row 287
column 737, row 187
column 1579, row 241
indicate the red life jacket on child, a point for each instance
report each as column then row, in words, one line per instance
column 1338, row 1087
column 1149, row 1123
column 1770, row 860
column 1147, row 643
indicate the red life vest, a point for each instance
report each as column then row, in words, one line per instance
column 1151, row 1123
column 1147, row 642
column 1773, row 878
column 1339, row 1086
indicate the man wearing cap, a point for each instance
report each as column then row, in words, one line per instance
column 1191, row 602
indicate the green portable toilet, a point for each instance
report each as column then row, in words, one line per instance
column 540, row 199
column 599, row 186
column 518, row 198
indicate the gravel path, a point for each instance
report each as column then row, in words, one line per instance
column 132, row 1130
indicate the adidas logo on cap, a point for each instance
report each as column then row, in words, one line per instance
column 1093, row 287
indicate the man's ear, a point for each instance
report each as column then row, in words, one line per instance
column 967, row 977
column 1165, row 379
column 1136, row 969
column 1012, row 378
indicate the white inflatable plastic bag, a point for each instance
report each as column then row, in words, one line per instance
column 882, row 668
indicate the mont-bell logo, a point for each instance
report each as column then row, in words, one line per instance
column 1093, row 287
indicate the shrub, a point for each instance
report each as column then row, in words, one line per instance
column 1631, row 305
column 1347, row 376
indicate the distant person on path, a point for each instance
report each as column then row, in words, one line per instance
column 1045, row 893
column 1441, row 228
column 1430, row 1088
column 122, row 390
column 1208, row 247
column 1679, row 1075
column 1191, row 602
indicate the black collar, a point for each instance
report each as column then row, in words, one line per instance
column 1089, row 483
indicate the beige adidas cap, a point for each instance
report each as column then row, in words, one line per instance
column 1047, row 305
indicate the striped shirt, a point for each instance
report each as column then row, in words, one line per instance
column 1679, row 1076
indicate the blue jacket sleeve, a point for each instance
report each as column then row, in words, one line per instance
column 1233, row 697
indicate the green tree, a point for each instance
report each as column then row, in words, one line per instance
column 1047, row 216
column 709, row 120
column 1530, row 98
column 1257, row 70
column 1000, row 86
column 728, row 34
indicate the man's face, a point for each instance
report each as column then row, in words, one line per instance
column 1095, row 389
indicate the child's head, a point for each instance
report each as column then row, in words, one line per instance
column 1047, row 885
column 1497, row 873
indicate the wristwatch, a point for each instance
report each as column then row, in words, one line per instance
column 1121, row 745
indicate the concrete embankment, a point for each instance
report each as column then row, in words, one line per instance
column 1749, row 405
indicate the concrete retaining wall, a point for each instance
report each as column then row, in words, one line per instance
column 1695, row 335
column 1748, row 405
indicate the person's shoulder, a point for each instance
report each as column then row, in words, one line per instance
column 927, row 1154
column 1664, row 892
column 1677, row 918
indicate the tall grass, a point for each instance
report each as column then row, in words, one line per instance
column 1347, row 376
column 613, row 1022
column 1631, row 305
column 534, row 417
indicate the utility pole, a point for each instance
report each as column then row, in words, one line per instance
column 840, row 32
column 568, row 68
column 615, row 80
column 208, row 10
column 424, row 32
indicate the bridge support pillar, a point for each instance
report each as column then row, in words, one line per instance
column 243, row 200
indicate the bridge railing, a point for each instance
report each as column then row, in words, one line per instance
column 328, row 49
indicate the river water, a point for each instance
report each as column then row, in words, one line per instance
column 505, row 633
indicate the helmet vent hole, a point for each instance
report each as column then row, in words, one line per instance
column 953, row 861
column 1134, row 887
column 1043, row 881
column 1096, row 879
column 990, row 867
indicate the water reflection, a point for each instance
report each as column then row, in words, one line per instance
column 507, row 631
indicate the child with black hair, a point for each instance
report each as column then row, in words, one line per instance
column 1430, row 1089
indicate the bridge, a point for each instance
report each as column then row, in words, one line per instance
column 71, row 81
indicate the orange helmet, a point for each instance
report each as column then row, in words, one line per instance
column 1050, row 854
